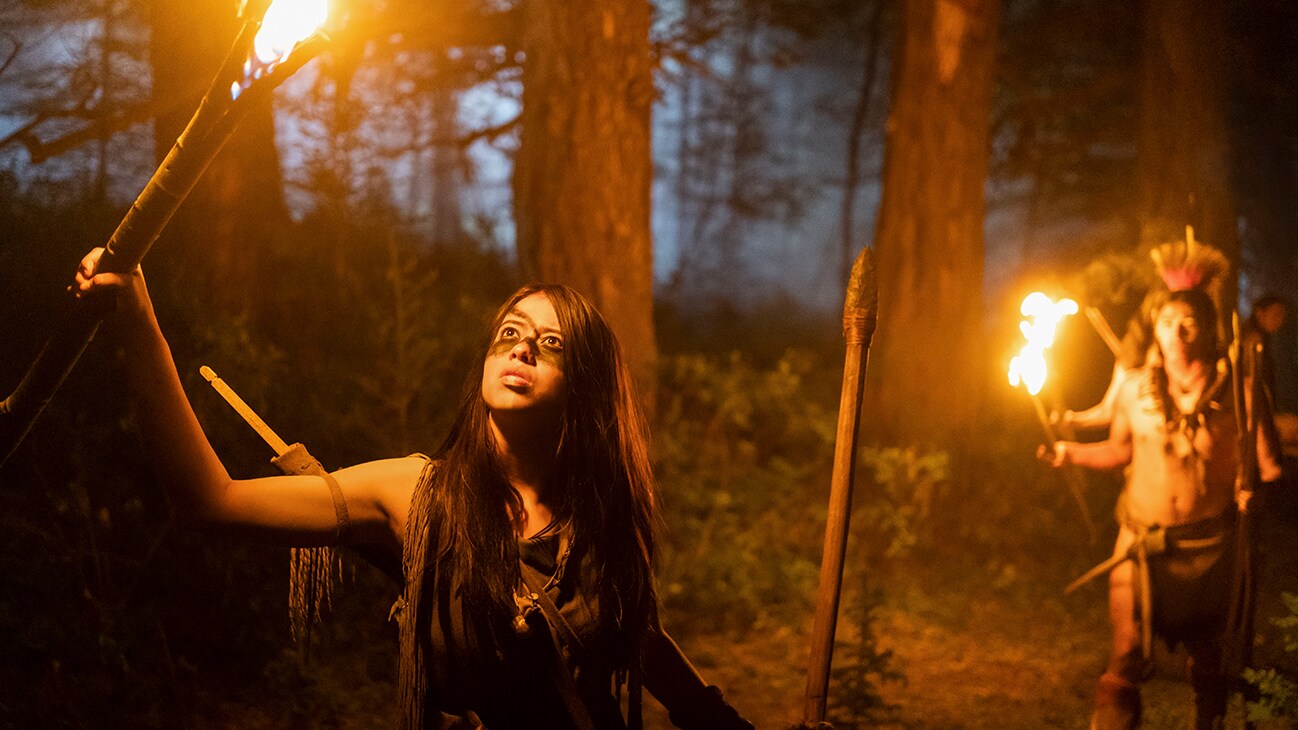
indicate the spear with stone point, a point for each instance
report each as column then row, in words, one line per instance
column 860, row 313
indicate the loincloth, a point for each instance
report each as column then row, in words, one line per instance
column 1191, row 582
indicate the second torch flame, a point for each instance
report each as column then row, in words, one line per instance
column 1029, row 366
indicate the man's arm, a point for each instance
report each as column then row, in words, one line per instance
column 1110, row 453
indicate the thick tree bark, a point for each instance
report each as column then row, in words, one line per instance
column 237, row 210
column 925, row 382
column 583, row 169
column 1184, row 156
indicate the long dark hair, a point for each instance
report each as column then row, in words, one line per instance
column 602, row 480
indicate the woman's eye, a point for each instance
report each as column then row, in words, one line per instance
column 552, row 341
column 508, row 333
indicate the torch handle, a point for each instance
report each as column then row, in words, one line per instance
column 1051, row 436
column 184, row 164
column 19, row 411
column 1076, row 482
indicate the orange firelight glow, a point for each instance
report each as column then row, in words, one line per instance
column 285, row 24
column 1029, row 366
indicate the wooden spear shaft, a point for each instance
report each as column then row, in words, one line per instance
column 1102, row 328
column 860, row 310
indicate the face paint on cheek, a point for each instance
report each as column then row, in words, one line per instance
column 553, row 358
column 501, row 347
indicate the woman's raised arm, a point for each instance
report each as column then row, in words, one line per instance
column 294, row 510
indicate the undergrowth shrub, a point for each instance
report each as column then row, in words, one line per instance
column 1277, row 693
column 744, row 457
column 742, row 454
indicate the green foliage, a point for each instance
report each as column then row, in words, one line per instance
column 899, row 504
column 740, row 454
column 1277, row 693
column 860, row 666
column 744, row 458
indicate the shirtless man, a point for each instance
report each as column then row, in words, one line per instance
column 1173, row 423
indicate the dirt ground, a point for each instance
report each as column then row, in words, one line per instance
column 975, row 670
column 975, row 656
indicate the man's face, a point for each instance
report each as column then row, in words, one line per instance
column 1178, row 331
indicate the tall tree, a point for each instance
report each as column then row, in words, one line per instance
column 1184, row 141
column 583, row 169
column 237, row 209
column 929, row 237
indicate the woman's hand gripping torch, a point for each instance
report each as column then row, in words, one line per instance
column 1028, row 368
column 276, row 39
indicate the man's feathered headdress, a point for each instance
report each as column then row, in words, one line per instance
column 1189, row 264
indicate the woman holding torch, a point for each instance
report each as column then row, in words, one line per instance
column 1172, row 567
column 526, row 543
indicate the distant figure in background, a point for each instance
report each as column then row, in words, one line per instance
column 1173, row 423
column 1268, row 316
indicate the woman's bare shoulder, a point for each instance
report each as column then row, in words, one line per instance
column 391, row 482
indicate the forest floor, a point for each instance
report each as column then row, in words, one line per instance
column 975, row 655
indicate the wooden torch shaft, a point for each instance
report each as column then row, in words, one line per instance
column 202, row 139
column 1051, row 436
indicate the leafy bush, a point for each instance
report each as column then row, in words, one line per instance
column 1277, row 694
column 741, row 455
column 861, row 667
column 899, row 504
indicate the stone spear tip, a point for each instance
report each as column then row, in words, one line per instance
column 863, row 289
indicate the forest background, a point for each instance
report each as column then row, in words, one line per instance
column 706, row 170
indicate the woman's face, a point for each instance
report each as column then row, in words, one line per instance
column 1178, row 331
column 523, row 370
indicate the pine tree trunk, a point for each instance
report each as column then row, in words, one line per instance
column 928, row 365
column 215, row 241
column 1184, row 155
column 583, row 169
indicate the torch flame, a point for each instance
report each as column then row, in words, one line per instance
column 286, row 22
column 1029, row 367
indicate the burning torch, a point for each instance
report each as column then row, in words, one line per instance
column 1029, row 369
column 276, row 39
